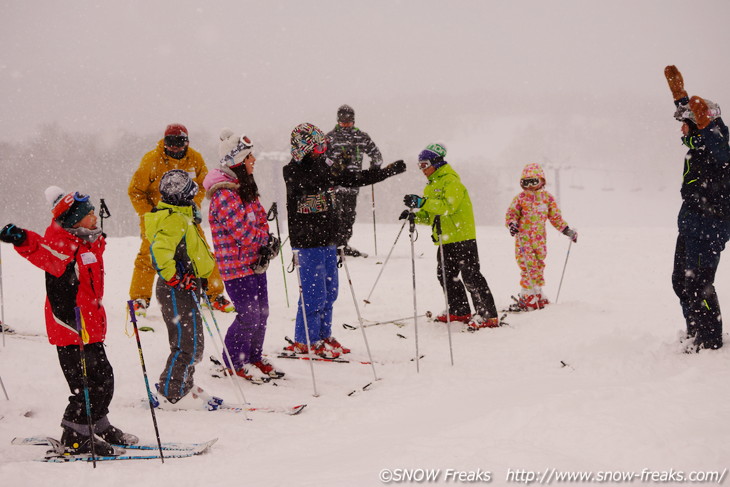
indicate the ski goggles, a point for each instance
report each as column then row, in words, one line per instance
column 683, row 112
column 529, row 182
column 67, row 202
column 176, row 140
column 424, row 165
column 320, row 148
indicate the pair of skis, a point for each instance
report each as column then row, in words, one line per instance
column 57, row 453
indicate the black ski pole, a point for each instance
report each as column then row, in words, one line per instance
column 3, row 326
column 367, row 300
column 274, row 209
column 133, row 316
column 357, row 310
column 437, row 226
column 103, row 213
column 4, row 391
column 375, row 228
column 557, row 296
column 303, row 310
column 85, row 379
column 412, row 231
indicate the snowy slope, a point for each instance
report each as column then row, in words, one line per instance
column 625, row 399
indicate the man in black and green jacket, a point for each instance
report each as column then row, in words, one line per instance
column 347, row 145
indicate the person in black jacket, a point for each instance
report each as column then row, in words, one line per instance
column 704, row 218
column 311, row 204
column 347, row 145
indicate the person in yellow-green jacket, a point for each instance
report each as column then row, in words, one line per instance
column 181, row 257
column 447, row 198
column 172, row 152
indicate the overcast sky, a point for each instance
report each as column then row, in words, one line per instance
column 136, row 65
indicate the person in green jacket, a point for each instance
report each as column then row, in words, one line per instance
column 445, row 198
column 181, row 257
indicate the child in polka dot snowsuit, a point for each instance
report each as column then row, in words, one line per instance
column 525, row 219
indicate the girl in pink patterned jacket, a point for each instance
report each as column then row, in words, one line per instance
column 243, row 248
column 525, row 219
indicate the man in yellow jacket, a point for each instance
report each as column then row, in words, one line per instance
column 172, row 152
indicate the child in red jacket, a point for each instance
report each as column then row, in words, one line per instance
column 71, row 254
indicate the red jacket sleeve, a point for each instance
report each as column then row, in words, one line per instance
column 39, row 253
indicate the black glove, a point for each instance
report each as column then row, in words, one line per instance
column 572, row 234
column 513, row 229
column 394, row 168
column 404, row 215
column 413, row 201
column 266, row 253
column 12, row 234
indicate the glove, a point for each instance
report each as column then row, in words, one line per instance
column 197, row 215
column 184, row 282
column 699, row 108
column 413, row 201
column 12, row 234
column 513, row 229
column 394, row 168
column 404, row 215
column 271, row 249
column 676, row 82
column 266, row 253
column 572, row 234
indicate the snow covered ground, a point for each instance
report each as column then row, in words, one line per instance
column 594, row 383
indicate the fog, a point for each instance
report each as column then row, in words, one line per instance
column 576, row 85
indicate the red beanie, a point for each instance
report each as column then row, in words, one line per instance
column 176, row 129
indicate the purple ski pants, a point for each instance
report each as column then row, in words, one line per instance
column 245, row 336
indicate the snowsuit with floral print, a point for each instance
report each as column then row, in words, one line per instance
column 529, row 210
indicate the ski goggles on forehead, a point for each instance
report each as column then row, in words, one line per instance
column 244, row 143
column 530, row 182
column 81, row 197
column 176, row 140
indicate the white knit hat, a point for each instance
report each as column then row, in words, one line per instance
column 233, row 150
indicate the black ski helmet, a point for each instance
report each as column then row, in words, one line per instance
column 176, row 188
column 345, row 114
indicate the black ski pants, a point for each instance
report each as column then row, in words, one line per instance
column 185, row 336
column 100, row 380
column 700, row 241
column 346, row 213
column 463, row 258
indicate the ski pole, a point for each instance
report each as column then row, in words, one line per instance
column 375, row 228
column 412, row 231
column 133, row 317
column 563, row 274
column 2, row 299
column 227, row 355
column 357, row 310
column 103, row 213
column 4, row 391
column 275, row 217
column 85, row 379
column 367, row 300
column 437, row 225
column 303, row 310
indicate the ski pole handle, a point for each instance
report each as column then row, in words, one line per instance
column 273, row 212
column 437, row 224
